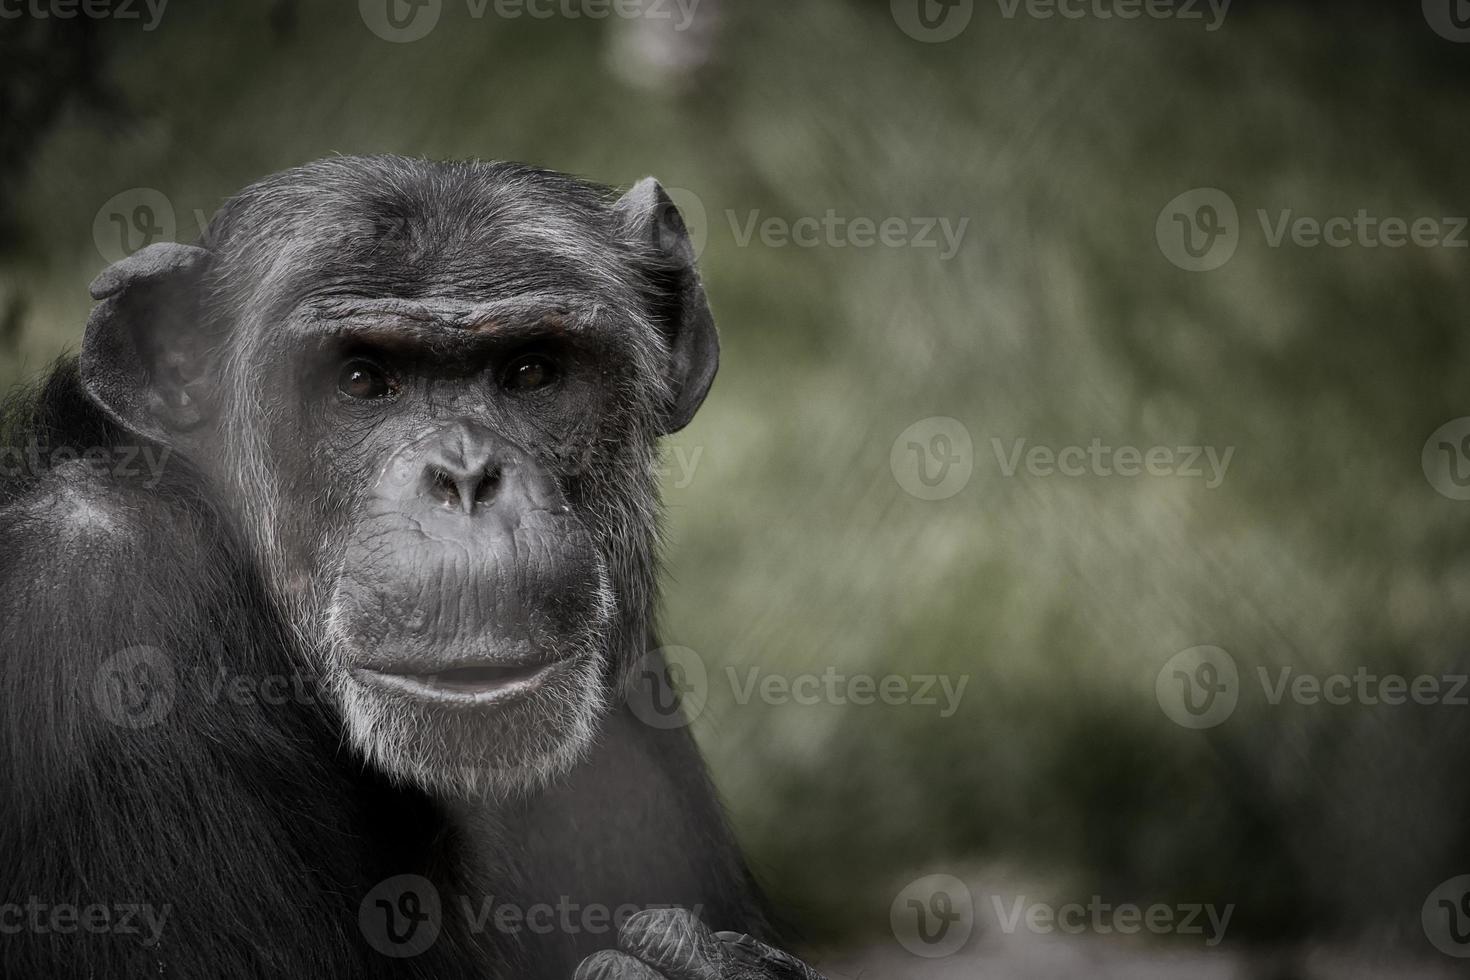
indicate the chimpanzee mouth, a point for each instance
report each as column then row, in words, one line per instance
column 481, row 683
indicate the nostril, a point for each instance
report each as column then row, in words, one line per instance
column 460, row 490
column 488, row 486
column 443, row 487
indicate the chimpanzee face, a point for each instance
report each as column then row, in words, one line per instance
column 435, row 395
column 471, row 601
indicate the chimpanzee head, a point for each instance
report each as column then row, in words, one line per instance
column 430, row 394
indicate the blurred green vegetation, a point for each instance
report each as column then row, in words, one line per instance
column 793, row 547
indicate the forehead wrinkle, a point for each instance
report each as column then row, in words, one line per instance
column 471, row 237
column 532, row 271
column 560, row 310
column 548, row 236
column 403, row 324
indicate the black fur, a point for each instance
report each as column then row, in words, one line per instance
column 251, row 827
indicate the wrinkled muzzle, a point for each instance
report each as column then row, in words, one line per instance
column 467, row 555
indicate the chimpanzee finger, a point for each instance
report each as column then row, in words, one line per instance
column 751, row 957
column 609, row 964
column 675, row 942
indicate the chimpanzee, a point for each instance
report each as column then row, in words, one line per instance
column 326, row 599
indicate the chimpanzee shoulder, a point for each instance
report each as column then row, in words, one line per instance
column 201, row 829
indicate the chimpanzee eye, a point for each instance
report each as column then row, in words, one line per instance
column 529, row 372
column 363, row 380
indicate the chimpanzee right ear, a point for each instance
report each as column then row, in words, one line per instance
column 648, row 215
column 142, row 355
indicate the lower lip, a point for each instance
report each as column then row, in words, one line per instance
column 425, row 687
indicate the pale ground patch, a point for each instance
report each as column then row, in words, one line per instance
column 991, row 952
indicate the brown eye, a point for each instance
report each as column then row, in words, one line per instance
column 363, row 380
column 530, row 372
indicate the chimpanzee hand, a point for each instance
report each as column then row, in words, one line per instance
column 672, row 944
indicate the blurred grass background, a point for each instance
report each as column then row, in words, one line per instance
column 793, row 547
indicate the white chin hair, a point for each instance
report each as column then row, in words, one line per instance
column 501, row 750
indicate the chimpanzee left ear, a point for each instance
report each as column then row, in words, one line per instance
column 649, row 215
column 142, row 354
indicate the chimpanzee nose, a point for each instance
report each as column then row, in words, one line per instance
column 464, row 468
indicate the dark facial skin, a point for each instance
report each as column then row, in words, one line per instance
column 470, row 595
column 471, row 598
column 457, row 393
